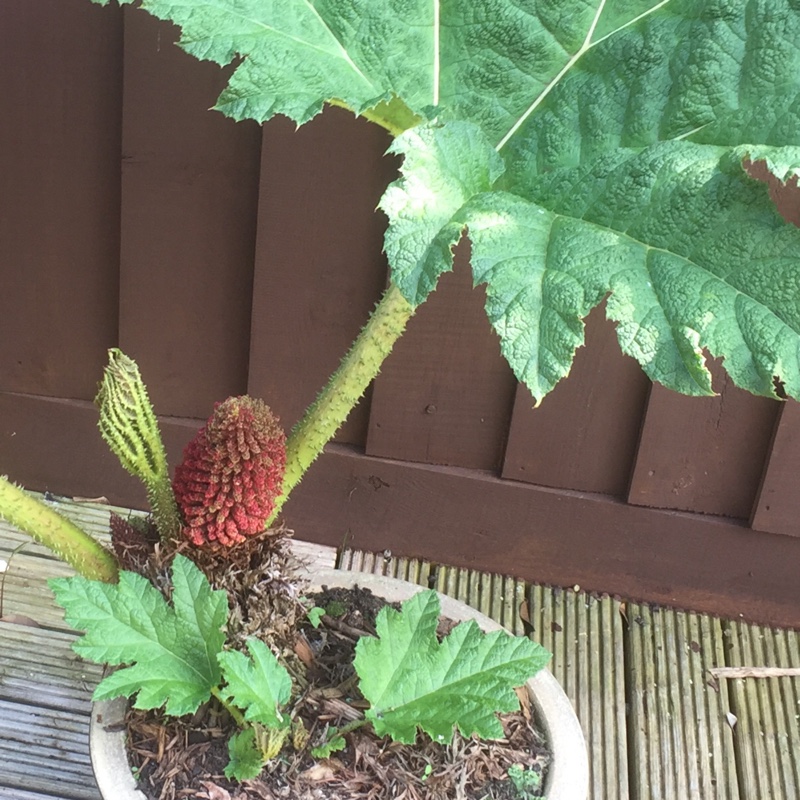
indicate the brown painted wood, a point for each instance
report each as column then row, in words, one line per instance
column 445, row 394
column 472, row 520
column 778, row 506
column 785, row 196
column 59, row 206
column 319, row 263
column 584, row 434
column 53, row 444
column 703, row 454
column 189, row 203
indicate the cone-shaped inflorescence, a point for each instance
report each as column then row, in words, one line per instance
column 129, row 426
column 231, row 473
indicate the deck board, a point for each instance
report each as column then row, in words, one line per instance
column 20, row 794
column 25, row 589
column 46, row 750
column 585, row 635
column 45, row 688
column 767, row 735
column 39, row 667
column 681, row 742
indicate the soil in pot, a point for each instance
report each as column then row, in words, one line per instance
column 186, row 758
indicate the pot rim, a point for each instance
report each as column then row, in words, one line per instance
column 568, row 772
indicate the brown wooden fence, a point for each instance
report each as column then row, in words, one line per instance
column 227, row 258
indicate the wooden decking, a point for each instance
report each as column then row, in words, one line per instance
column 659, row 725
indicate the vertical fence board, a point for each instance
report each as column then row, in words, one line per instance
column 703, row 454
column 189, row 203
column 319, row 265
column 59, row 160
column 777, row 509
column 584, row 434
column 445, row 393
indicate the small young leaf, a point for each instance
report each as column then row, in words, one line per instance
column 336, row 609
column 411, row 680
column 525, row 781
column 246, row 760
column 332, row 744
column 172, row 650
column 315, row 615
column 260, row 685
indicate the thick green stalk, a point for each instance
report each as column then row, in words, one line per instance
column 61, row 535
column 345, row 388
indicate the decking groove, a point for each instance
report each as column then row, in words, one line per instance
column 585, row 635
column 766, row 735
column 20, row 794
column 681, row 743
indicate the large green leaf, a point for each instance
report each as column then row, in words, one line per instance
column 719, row 72
column 620, row 72
column 591, row 149
column 688, row 247
column 301, row 54
column 411, row 679
column 172, row 651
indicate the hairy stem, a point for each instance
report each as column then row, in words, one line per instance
column 346, row 386
column 61, row 535
column 349, row 728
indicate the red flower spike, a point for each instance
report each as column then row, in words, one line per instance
column 231, row 473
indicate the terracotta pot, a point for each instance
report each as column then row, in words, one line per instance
column 568, row 775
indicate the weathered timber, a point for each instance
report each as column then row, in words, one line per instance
column 585, row 635
column 766, row 735
column 681, row 742
column 188, row 222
